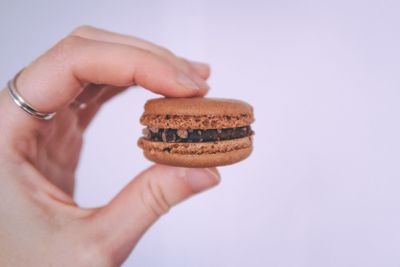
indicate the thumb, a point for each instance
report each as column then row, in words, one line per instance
column 119, row 225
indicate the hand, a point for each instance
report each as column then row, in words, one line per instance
column 40, row 224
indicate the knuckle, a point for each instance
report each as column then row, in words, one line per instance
column 67, row 44
column 82, row 30
column 164, row 51
column 154, row 199
column 65, row 48
column 70, row 40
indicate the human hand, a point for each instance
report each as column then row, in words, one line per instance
column 40, row 224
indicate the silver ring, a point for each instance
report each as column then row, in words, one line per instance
column 23, row 104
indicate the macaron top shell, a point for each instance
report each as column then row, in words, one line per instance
column 196, row 113
column 196, row 106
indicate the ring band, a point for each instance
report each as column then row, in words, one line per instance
column 23, row 104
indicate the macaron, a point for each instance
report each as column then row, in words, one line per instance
column 196, row 132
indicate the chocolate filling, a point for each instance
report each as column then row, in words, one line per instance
column 196, row 135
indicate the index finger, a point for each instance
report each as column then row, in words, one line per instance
column 56, row 78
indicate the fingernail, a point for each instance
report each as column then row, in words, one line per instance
column 202, row 179
column 200, row 82
column 187, row 82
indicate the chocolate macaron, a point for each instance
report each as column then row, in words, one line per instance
column 196, row 132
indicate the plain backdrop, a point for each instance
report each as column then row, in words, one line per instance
column 322, row 187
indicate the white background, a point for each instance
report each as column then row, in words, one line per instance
column 322, row 187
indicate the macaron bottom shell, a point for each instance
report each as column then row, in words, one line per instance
column 208, row 154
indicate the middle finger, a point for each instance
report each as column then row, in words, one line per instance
column 107, row 36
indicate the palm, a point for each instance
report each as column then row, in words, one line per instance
column 58, row 149
column 59, row 144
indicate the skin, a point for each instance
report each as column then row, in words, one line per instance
column 40, row 224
